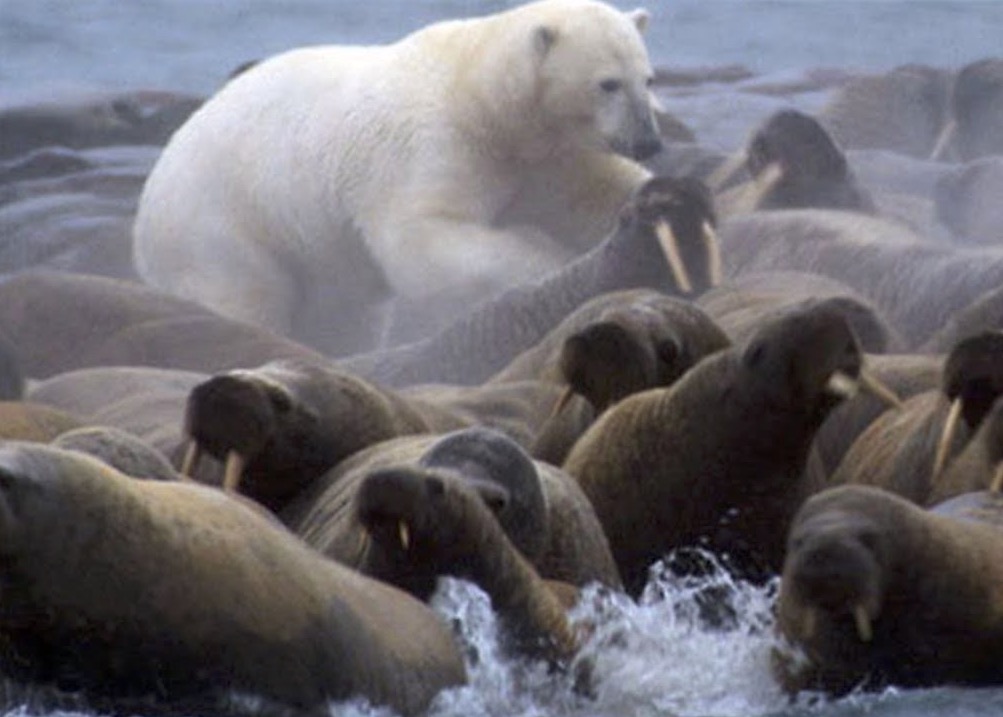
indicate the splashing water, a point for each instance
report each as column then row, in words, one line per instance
column 689, row 646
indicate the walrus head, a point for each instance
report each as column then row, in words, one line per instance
column 281, row 425
column 972, row 381
column 505, row 477
column 834, row 574
column 635, row 347
column 794, row 163
column 678, row 215
column 973, row 375
column 447, row 525
column 809, row 360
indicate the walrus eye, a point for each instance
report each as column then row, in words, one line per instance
column 610, row 85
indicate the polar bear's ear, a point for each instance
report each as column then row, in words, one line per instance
column 640, row 18
column 544, row 38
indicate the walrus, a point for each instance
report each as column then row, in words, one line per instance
column 280, row 425
column 442, row 524
column 649, row 339
column 135, row 117
column 542, row 510
column 906, row 451
column 877, row 591
column 718, row 459
column 966, row 200
column 172, row 596
column 915, row 282
column 741, row 304
column 793, row 162
column 979, row 465
column 60, row 321
column 975, row 129
column 903, row 110
column 33, row 421
column 147, row 402
column 905, row 374
column 123, row 451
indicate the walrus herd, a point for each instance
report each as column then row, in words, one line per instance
column 789, row 354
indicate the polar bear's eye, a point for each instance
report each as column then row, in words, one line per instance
column 610, row 85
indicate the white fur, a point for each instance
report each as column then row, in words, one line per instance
column 441, row 168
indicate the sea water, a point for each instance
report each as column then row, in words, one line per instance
column 50, row 46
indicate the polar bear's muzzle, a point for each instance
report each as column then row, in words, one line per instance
column 638, row 137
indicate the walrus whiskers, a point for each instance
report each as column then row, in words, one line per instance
column 713, row 247
column 947, row 437
column 233, row 471
column 670, row 247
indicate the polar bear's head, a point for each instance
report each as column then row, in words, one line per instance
column 594, row 76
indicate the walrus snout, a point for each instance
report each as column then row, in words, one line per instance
column 230, row 413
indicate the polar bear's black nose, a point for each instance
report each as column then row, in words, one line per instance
column 646, row 147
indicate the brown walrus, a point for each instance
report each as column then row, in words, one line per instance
column 718, row 459
column 442, row 525
column 279, row 426
column 541, row 509
column 174, row 595
column 906, row 451
column 877, row 591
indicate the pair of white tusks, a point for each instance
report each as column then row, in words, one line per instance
column 947, row 439
column 232, row 471
column 670, row 247
column 844, row 385
column 403, row 534
column 861, row 620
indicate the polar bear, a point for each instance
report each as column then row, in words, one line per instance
column 327, row 186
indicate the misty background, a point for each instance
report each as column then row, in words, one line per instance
column 51, row 47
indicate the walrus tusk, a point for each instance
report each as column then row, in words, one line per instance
column 193, row 454
column 562, row 401
column 764, row 182
column 404, row 533
column 845, row 386
column 713, row 247
column 727, row 170
column 873, row 385
column 944, row 140
column 997, row 485
column 233, row 471
column 670, row 247
column 947, row 437
column 863, row 622
column 842, row 385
